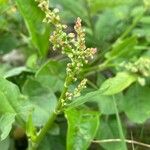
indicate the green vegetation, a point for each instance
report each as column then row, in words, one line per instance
column 74, row 74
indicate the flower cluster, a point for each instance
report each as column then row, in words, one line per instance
column 70, row 44
column 77, row 90
column 141, row 67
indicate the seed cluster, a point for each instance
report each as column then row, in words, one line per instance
column 141, row 67
column 70, row 44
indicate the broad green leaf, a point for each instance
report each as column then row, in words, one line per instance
column 118, row 83
column 16, row 71
column 52, row 75
column 40, row 99
column 109, row 87
column 6, row 122
column 5, row 44
column 33, row 17
column 106, row 104
column 9, row 97
column 82, row 127
column 4, row 145
column 106, row 31
column 104, row 35
column 52, row 143
column 11, row 100
column 137, row 103
column 108, row 129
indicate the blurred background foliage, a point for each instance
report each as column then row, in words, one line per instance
column 120, row 29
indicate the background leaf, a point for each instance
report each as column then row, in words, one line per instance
column 6, row 122
column 4, row 145
column 41, row 101
column 39, row 31
column 137, row 103
column 108, row 129
column 52, row 75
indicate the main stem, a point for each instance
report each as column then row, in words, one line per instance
column 35, row 143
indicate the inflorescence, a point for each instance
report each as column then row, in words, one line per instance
column 141, row 67
column 70, row 44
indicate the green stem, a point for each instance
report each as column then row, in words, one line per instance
column 35, row 143
column 124, row 146
column 101, row 67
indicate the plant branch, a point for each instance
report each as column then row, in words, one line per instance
column 48, row 125
column 120, row 140
column 124, row 146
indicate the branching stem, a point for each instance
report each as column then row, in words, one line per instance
column 48, row 125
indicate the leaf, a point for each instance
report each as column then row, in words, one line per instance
column 5, row 44
column 11, row 101
column 16, row 71
column 4, row 145
column 52, row 75
column 98, row 5
column 137, row 103
column 76, row 8
column 108, row 129
column 106, row 104
column 109, row 87
column 123, row 49
column 9, row 97
column 40, row 99
column 83, row 99
column 118, row 83
column 106, row 31
column 82, row 127
column 33, row 17
column 6, row 122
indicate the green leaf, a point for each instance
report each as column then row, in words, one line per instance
column 5, row 44
column 106, row 104
column 33, row 17
column 9, row 97
column 97, row 5
column 76, row 8
column 109, row 87
column 82, row 127
column 52, row 75
column 137, row 103
column 106, row 31
column 85, row 98
column 123, row 49
column 6, row 122
column 11, row 100
column 4, row 145
column 108, row 129
column 118, row 83
column 16, row 71
column 40, row 99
